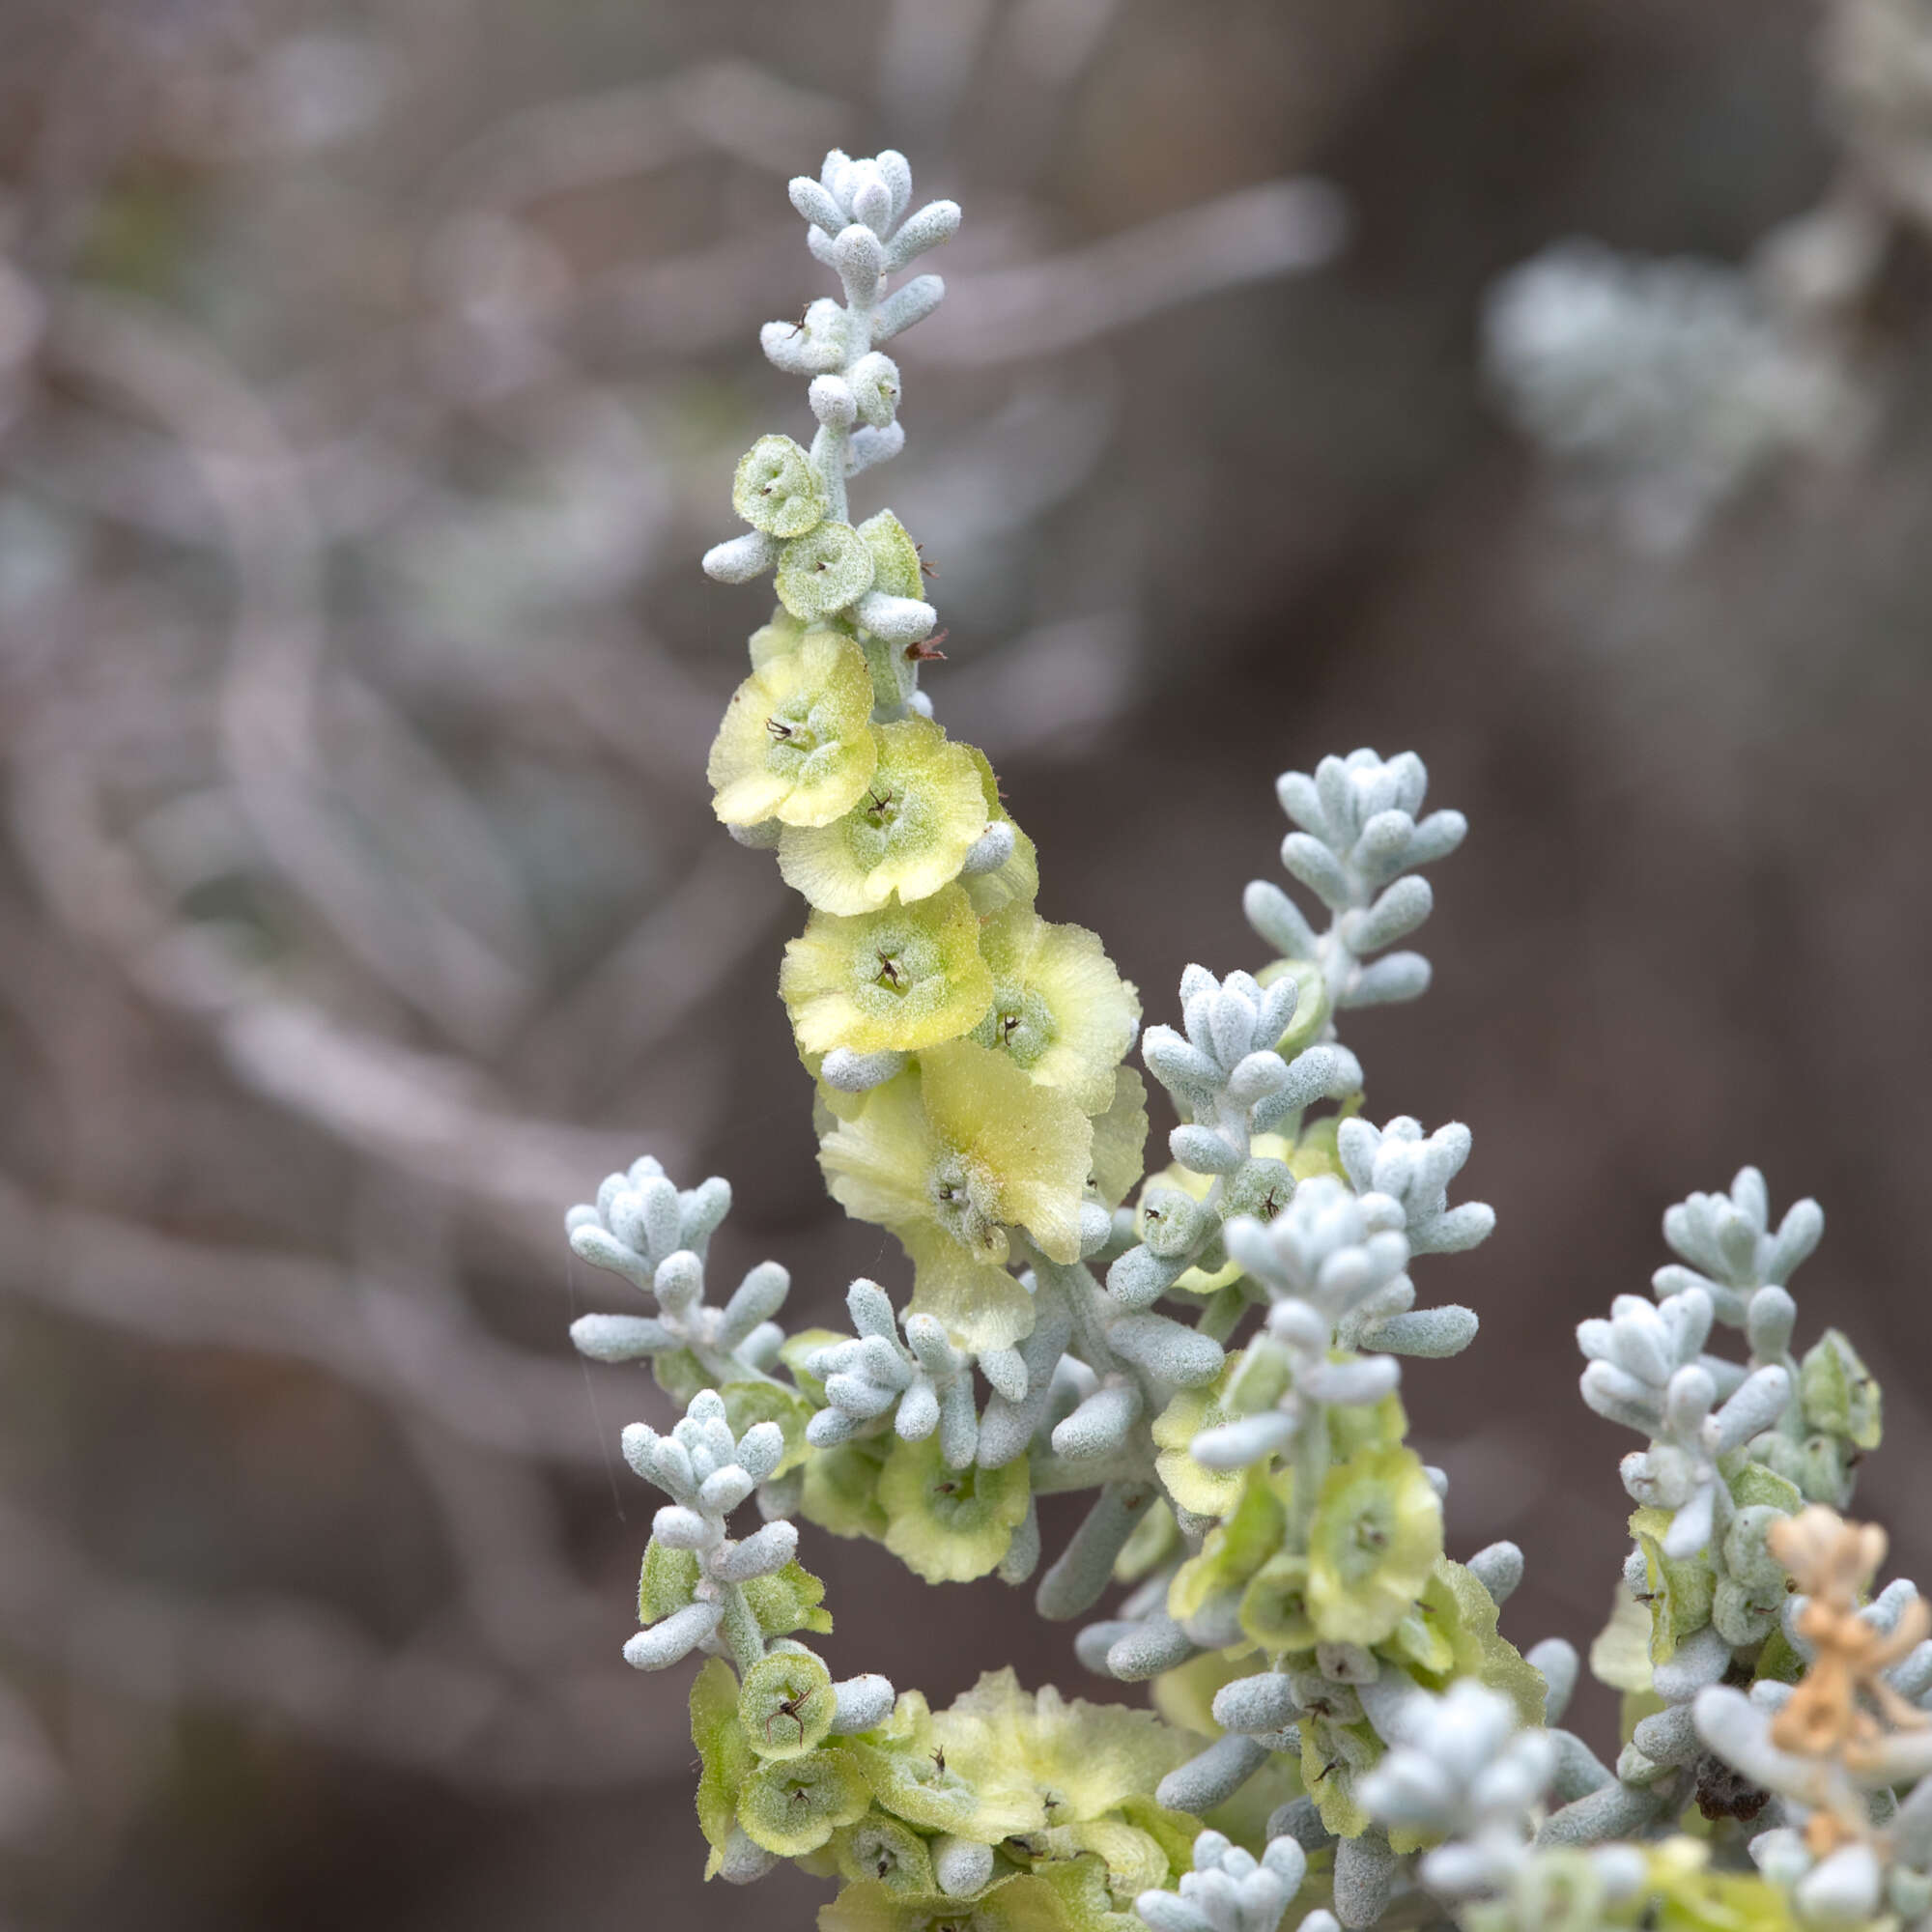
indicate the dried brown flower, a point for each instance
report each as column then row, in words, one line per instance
column 1842, row 1706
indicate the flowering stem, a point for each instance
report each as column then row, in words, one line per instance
column 740, row 1626
column 1311, row 1469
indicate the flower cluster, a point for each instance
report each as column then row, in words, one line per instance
column 968, row 1051
column 1341, row 1735
column 1736, row 1450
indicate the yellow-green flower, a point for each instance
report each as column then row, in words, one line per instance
column 949, row 1525
column 797, row 743
column 1099, row 1869
column 899, row 979
column 1018, row 879
column 951, row 1155
column 909, row 831
column 1184, row 1180
column 823, row 571
column 1684, row 1894
column 887, row 1853
column 1020, row 1903
column 786, row 1703
column 1234, row 1548
column 948, row 1772
column 1060, row 1010
column 1119, row 1139
column 1274, row 1605
column 1193, row 1484
column 777, row 637
column 1356, row 1426
column 791, row 1805
column 1376, row 1535
column 777, row 487
column 1083, row 1759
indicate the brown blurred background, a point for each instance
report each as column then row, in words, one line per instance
column 370, row 378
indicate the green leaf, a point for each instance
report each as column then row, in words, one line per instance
column 1466, row 1614
column 788, row 1600
column 1421, row 1645
column 798, row 1348
column 725, row 1751
column 749, row 1402
column 1680, row 1592
column 1838, row 1393
column 895, row 567
column 668, row 1582
column 1154, row 1539
column 680, row 1375
column 1620, row 1656
column 842, row 1486
column 1311, row 1009
column 1685, row 1896
column 1754, row 1486
column 1778, row 1662
column 1334, row 1760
